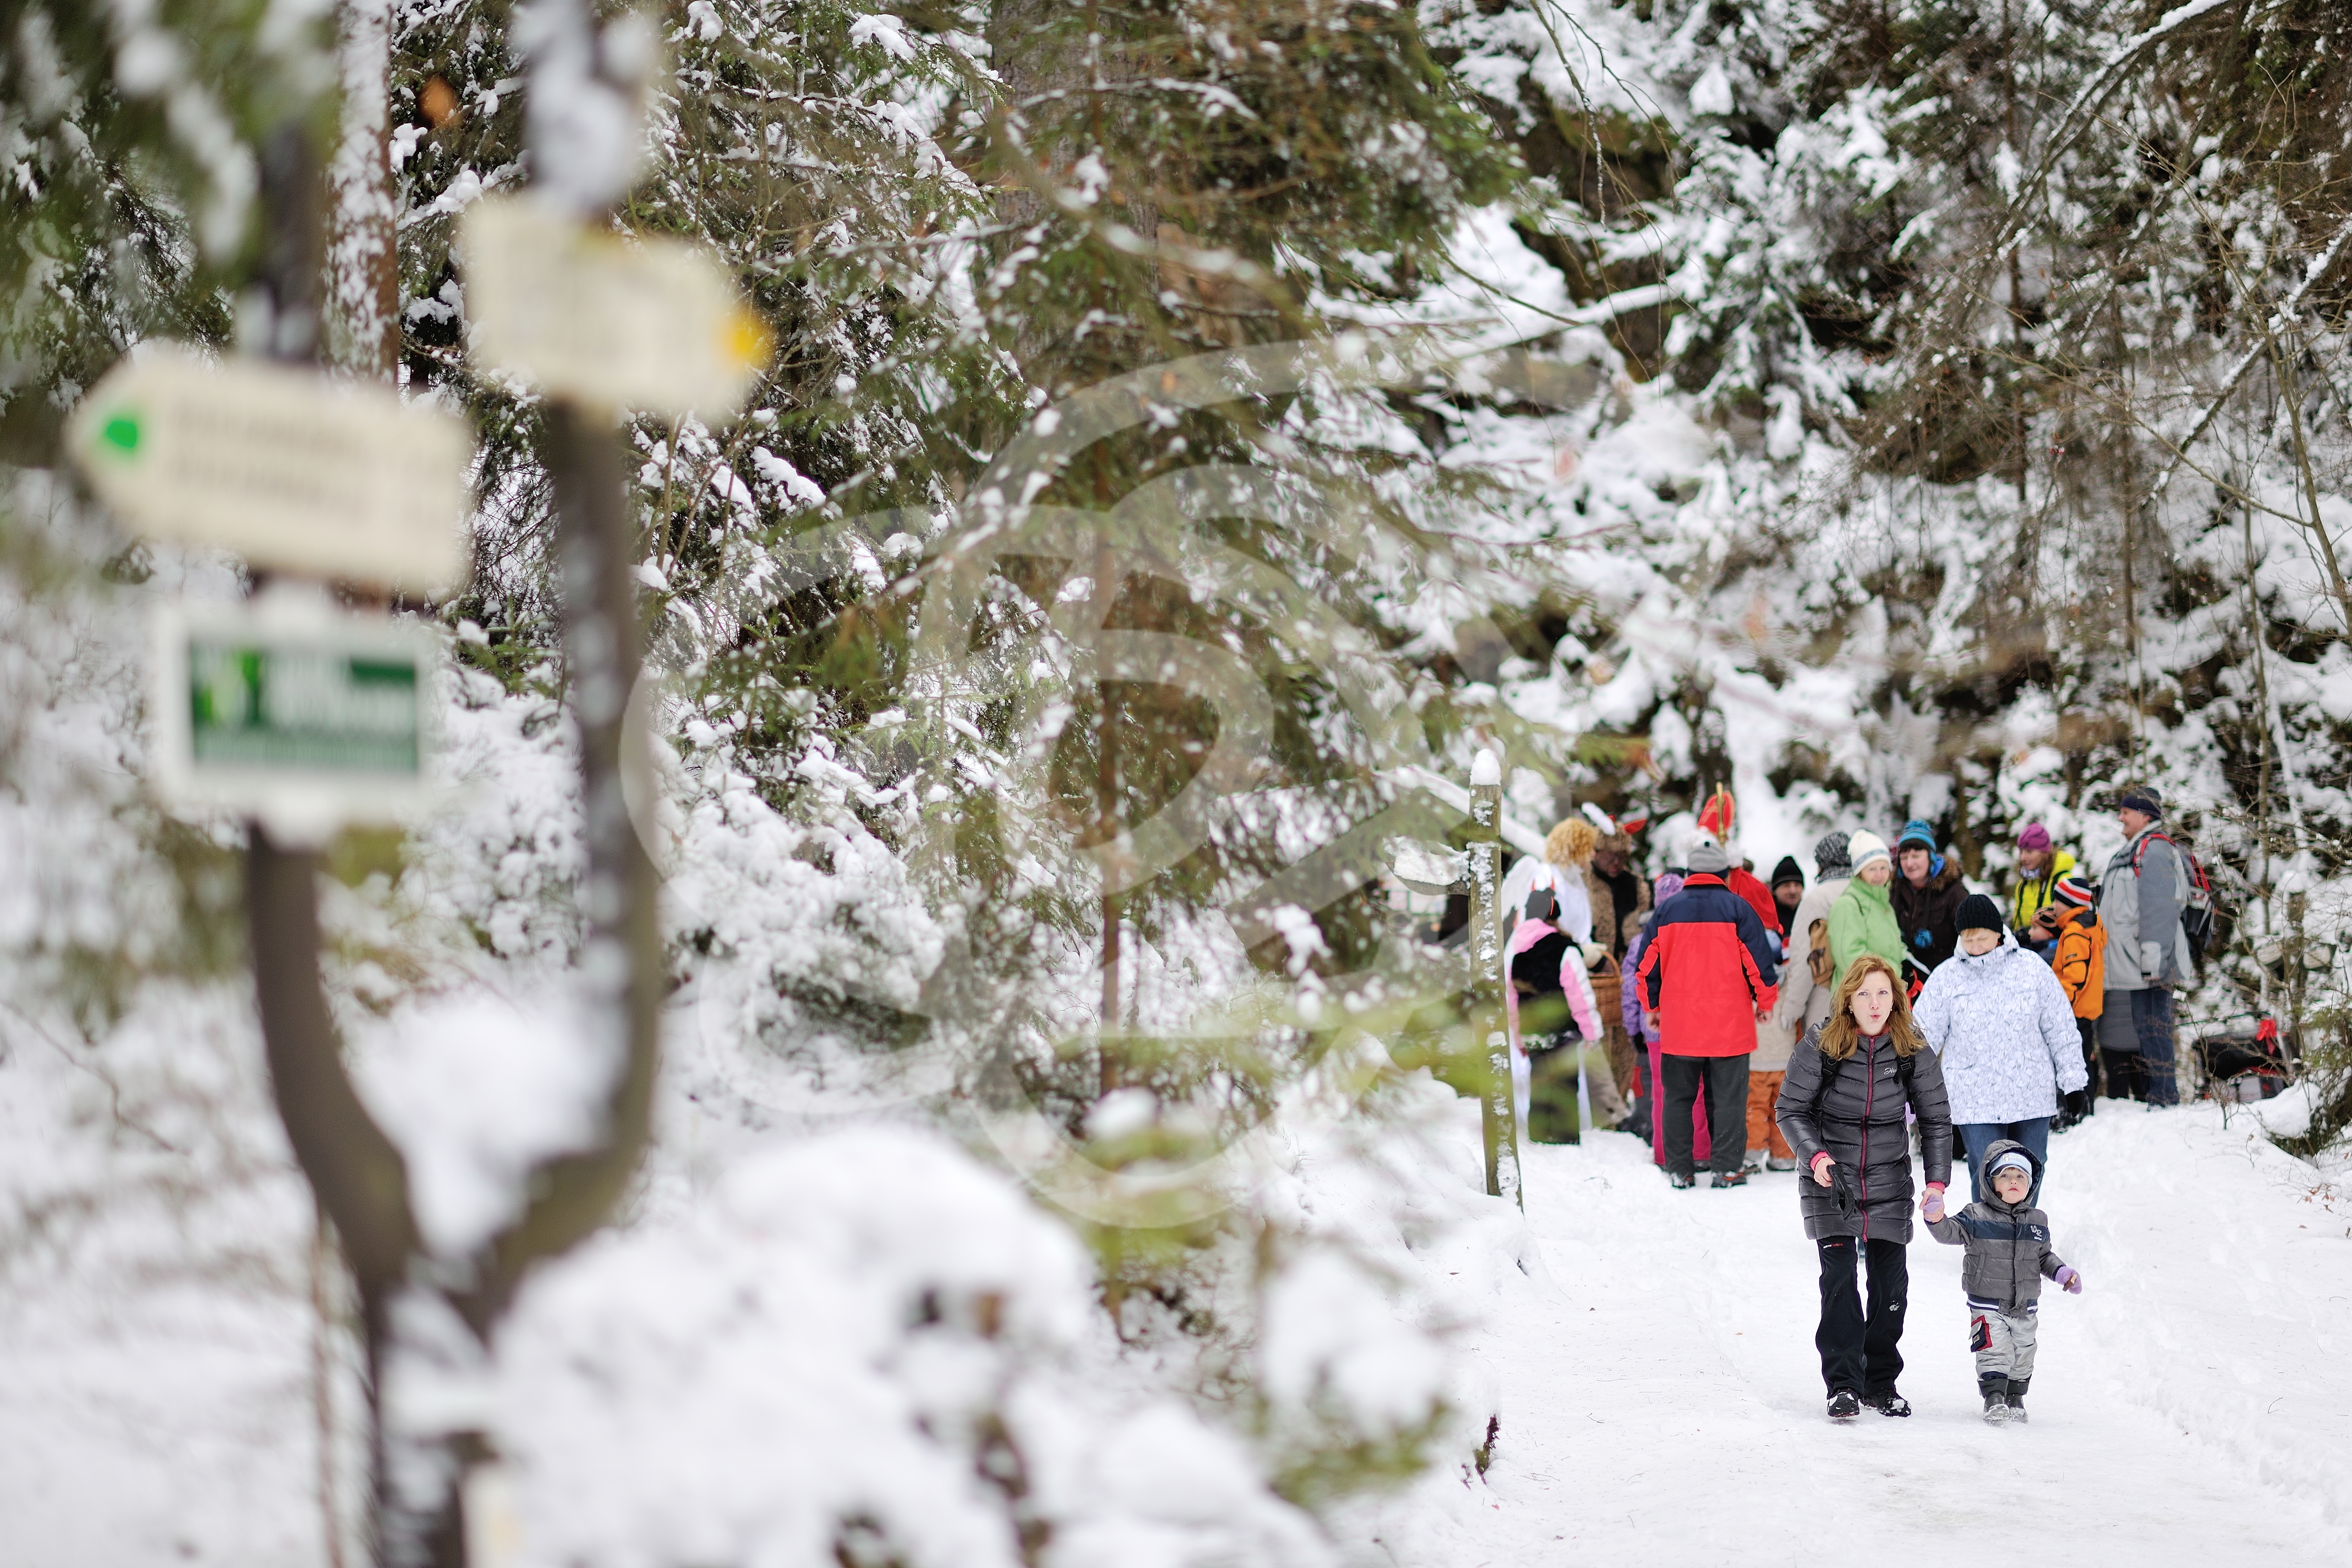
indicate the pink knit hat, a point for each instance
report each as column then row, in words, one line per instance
column 2035, row 837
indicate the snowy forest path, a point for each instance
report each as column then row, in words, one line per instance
column 1661, row 1394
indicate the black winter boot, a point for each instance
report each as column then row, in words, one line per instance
column 1844, row 1406
column 1996, row 1401
column 1887, row 1402
column 2017, row 1398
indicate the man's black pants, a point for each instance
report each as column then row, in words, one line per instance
column 1858, row 1353
column 1725, row 1081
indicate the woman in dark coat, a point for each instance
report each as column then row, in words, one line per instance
column 1841, row 1109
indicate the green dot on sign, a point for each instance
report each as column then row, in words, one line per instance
column 122, row 432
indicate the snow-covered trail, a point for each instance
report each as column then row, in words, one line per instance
column 1661, row 1396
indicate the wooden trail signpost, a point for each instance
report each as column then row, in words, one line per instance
column 304, row 717
column 1477, row 870
column 1500, row 1117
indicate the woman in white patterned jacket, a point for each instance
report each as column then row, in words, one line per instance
column 1999, row 1022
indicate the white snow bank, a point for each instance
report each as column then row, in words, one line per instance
column 476, row 1090
column 862, row 1348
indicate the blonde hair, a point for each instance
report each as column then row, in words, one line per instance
column 1841, row 1034
column 1571, row 842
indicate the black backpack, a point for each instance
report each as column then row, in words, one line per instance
column 2199, row 909
column 1831, row 1069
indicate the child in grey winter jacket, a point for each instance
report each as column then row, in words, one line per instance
column 2009, row 1256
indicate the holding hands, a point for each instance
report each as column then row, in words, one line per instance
column 1931, row 1203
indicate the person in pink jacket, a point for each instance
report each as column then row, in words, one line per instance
column 1551, row 997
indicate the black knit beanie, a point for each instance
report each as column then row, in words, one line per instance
column 1788, row 871
column 1976, row 912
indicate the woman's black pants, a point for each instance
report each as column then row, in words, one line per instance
column 1858, row 1353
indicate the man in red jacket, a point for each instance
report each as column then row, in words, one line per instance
column 1715, row 818
column 1709, row 973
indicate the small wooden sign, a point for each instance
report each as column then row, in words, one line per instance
column 290, row 470
column 288, row 709
column 607, row 320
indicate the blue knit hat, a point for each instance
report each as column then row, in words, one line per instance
column 1916, row 831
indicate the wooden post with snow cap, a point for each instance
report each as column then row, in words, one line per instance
column 1499, row 1108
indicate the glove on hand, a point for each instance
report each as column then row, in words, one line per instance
column 1931, row 1207
column 1593, row 953
column 2068, row 1280
column 2078, row 1103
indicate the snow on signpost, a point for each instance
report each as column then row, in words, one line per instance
column 607, row 320
column 295, row 472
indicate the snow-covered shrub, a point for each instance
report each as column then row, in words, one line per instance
column 865, row 1348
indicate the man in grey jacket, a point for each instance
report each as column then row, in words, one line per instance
column 2140, row 902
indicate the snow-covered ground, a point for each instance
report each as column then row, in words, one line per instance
column 1662, row 1401
column 1648, row 1353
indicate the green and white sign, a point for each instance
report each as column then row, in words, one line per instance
column 293, row 470
column 315, row 707
column 293, row 711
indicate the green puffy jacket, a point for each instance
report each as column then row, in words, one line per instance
column 1863, row 921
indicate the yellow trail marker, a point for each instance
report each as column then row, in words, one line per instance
column 609, row 321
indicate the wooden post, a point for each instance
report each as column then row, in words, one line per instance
column 1500, row 1117
column 356, row 1171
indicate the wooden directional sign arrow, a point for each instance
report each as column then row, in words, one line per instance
column 293, row 471
column 290, row 710
column 605, row 320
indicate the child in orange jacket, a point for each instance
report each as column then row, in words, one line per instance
column 2081, row 960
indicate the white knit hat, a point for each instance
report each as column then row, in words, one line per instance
column 1863, row 847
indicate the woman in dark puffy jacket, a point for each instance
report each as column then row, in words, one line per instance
column 1841, row 1109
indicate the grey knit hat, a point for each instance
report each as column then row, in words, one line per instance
column 1707, row 855
column 1830, row 856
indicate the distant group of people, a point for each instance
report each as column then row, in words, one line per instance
column 1790, row 1025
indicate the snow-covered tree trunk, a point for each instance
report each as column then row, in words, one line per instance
column 363, row 242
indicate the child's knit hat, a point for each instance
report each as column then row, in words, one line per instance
column 1863, row 847
column 2015, row 1160
column 2071, row 889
